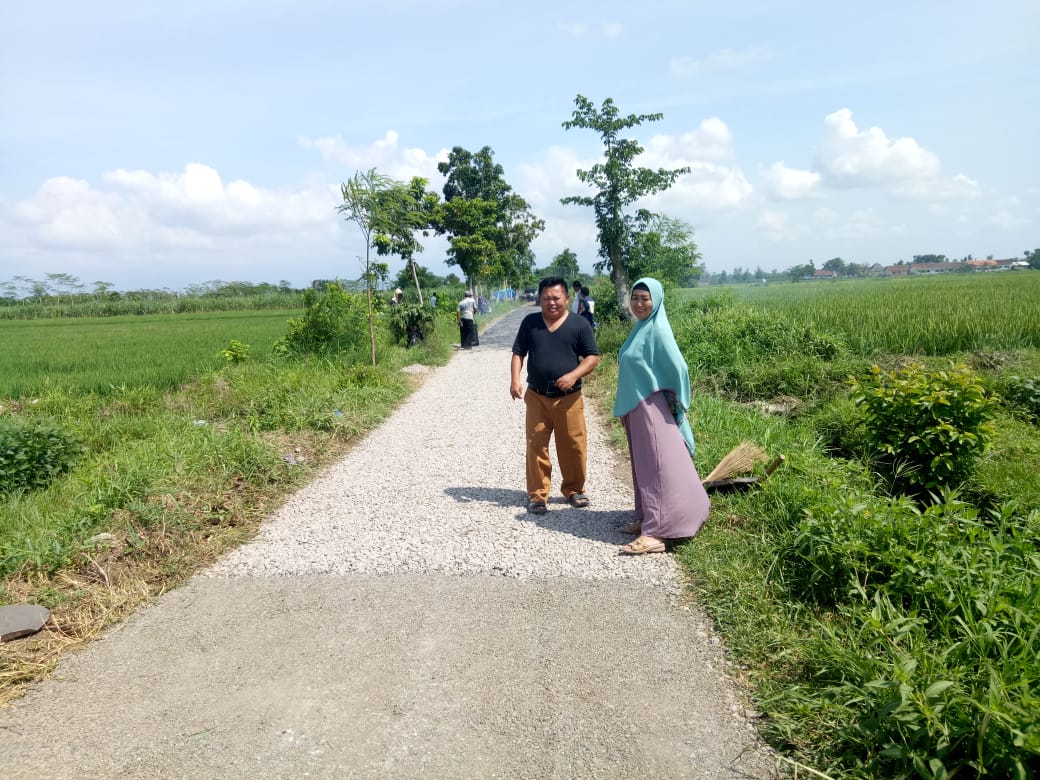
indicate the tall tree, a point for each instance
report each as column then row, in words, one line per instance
column 363, row 200
column 1033, row 258
column 618, row 183
column 489, row 227
column 404, row 210
column 565, row 264
column 666, row 250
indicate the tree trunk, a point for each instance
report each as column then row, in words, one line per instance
column 619, row 277
column 415, row 278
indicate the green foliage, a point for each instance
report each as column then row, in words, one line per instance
column 617, row 183
column 333, row 322
column 97, row 355
column 1023, row 394
column 489, row 227
column 930, row 662
column 666, row 251
column 754, row 354
column 235, row 352
column 33, row 453
column 409, row 321
column 927, row 427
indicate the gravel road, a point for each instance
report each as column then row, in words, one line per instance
column 403, row 617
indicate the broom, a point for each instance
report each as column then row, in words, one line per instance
column 741, row 459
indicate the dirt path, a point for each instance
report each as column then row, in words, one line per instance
column 481, row 645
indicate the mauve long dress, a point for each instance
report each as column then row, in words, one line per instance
column 671, row 502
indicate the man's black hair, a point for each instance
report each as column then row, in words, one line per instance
column 552, row 281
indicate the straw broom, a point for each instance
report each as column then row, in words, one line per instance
column 741, row 459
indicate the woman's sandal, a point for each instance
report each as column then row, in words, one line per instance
column 633, row 528
column 642, row 546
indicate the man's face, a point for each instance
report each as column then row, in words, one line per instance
column 554, row 301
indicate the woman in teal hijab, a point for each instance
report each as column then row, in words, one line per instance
column 653, row 400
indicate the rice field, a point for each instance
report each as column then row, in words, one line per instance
column 100, row 354
column 935, row 315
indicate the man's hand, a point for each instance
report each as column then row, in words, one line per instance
column 516, row 389
column 566, row 382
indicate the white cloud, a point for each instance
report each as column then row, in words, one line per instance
column 959, row 187
column 723, row 59
column 848, row 157
column 712, row 140
column 575, row 29
column 777, row 226
column 190, row 209
column 785, row 183
column 382, row 154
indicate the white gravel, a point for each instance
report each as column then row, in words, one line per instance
column 439, row 488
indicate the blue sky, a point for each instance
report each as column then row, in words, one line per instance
column 161, row 146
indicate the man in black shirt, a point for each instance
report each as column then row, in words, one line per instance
column 560, row 349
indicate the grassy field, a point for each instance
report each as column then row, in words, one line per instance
column 927, row 315
column 99, row 354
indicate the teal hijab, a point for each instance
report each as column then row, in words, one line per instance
column 650, row 360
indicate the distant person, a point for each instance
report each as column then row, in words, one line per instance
column 587, row 307
column 467, row 324
column 483, row 307
column 576, row 296
column 560, row 349
column 653, row 401
column 433, row 300
column 397, row 298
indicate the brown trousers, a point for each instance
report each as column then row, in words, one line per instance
column 564, row 417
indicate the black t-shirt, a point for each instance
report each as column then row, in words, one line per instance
column 550, row 355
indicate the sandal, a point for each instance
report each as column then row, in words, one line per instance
column 642, row 546
column 579, row 500
column 633, row 528
column 537, row 508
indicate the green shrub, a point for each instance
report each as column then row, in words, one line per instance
column 333, row 321
column 235, row 352
column 929, row 663
column 1022, row 394
column 926, row 427
column 410, row 322
column 34, row 454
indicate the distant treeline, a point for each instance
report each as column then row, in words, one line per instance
column 61, row 295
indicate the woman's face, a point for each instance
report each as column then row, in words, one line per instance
column 641, row 304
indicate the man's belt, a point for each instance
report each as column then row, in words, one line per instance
column 555, row 392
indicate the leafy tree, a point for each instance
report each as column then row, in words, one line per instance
column 425, row 278
column 618, row 184
column 835, row 264
column 930, row 259
column 666, row 251
column 403, row 211
column 489, row 227
column 565, row 264
column 362, row 204
column 799, row 272
column 1033, row 258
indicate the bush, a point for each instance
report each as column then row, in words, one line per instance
column 411, row 323
column 928, row 665
column 926, row 427
column 34, row 454
column 1022, row 394
column 333, row 321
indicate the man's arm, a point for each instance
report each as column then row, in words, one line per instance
column 584, row 368
column 516, row 387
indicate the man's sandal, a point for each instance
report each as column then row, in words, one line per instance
column 633, row 528
column 579, row 500
column 642, row 546
column 537, row 508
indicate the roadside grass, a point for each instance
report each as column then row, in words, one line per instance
column 175, row 476
column 881, row 638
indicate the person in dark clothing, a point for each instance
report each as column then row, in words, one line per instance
column 560, row 349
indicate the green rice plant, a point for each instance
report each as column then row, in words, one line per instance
column 101, row 355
